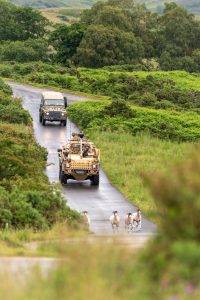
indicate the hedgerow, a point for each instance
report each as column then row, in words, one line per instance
column 162, row 124
column 175, row 90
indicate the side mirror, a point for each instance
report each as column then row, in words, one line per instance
column 65, row 99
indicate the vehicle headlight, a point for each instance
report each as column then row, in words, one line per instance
column 47, row 113
column 62, row 114
column 67, row 166
column 94, row 166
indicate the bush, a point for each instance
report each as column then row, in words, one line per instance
column 148, row 99
column 118, row 107
column 24, row 51
column 26, row 198
column 163, row 124
column 5, row 89
column 141, row 88
column 181, row 197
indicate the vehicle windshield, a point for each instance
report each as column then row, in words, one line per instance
column 54, row 102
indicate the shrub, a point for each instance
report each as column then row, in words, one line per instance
column 148, row 99
column 118, row 107
column 163, row 124
column 27, row 200
column 24, row 51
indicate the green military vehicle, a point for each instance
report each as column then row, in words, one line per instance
column 79, row 159
column 52, row 108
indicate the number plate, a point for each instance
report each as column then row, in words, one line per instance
column 80, row 172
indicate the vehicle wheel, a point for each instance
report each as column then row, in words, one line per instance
column 63, row 178
column 60, row 171
column 95, row 179
column 40, row 118
column 63, row 123
column 43, row 121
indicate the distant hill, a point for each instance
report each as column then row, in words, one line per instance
column 54, row 3
column 156, row 5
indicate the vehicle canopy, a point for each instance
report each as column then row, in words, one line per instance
column 52, row 96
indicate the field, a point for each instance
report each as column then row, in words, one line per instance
column 137, row 145
column 126, row 159
column 64, row 15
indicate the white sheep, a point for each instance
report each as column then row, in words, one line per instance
column 115, row 220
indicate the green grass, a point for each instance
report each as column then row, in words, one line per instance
column 19, row 242
column 128, row 152
column 183, row 79
column 125, row 159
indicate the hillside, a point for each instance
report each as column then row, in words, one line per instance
column 157, row 5
column 54, row 3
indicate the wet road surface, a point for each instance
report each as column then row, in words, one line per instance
column 98, row 201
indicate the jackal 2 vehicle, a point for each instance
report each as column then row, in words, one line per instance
column 52, row 108
column 79, row 159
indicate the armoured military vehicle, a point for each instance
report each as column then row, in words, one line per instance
column 79, row 159
column 52, row 108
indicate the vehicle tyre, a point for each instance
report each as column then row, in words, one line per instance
column 43, row 121
column 40, row 118
column 95, row 179
column 63, row 178
column 64, row 122
column 60, row 171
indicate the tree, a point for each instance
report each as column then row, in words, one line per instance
column 104, row 46
column 65, row 40
column 24, row 51
column 20, row 23
column 179, row 30
column 118, row 32
column 127, row 15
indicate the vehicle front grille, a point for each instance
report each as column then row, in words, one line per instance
column 80, row 166
column 54, row 114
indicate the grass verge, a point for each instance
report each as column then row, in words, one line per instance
column 126, row 159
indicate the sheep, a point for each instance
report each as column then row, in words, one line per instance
column 86, row 218
column 115, row 220
column 137, row 219
column 128, row 221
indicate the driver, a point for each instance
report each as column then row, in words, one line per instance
column 75, row 149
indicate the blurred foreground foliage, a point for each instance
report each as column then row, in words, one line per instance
column 173, row 258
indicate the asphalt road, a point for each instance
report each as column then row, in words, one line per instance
column 98, row 201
